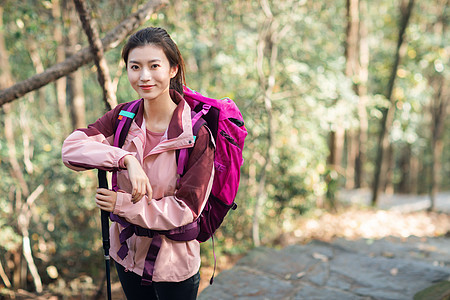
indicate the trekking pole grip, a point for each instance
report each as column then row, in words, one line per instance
column 103, row 183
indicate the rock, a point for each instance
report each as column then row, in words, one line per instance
column 362, row 269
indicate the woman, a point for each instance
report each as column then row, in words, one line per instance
column 149, row 194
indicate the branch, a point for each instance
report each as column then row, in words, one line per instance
column 4, row 277
column 24, row 222
column 16, row 169
column 84, row 56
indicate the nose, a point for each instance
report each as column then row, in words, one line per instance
column 145, row 75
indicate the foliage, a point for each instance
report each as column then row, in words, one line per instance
column 218, row 39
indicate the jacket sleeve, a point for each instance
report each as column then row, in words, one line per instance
column 91, row 147
column 189, row 199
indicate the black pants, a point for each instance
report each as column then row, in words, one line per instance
column 131, row 285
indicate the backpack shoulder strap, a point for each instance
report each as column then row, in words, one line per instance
column 183, row 154
column 122, row 126
column 123, row 122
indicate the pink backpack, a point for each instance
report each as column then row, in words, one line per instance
column 226, row 124
column 225, row 121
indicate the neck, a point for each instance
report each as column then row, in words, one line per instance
column 158, row 113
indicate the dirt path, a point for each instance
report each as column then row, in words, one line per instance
column 396, row 202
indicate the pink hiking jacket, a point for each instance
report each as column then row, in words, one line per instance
column 172, row 205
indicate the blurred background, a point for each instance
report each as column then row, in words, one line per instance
column 346, row 104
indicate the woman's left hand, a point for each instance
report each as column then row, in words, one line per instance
column 106, row 199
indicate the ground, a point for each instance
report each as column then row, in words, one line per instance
column 354, row 222
column 350, row 222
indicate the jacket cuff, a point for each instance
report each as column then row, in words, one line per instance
column 118, row 157
column 119, row 202
column 121, row 162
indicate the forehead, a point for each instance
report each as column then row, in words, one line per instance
column 147, row 53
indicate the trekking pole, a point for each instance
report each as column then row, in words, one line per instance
column 103, row 183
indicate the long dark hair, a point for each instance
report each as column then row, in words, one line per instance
column 159, row 37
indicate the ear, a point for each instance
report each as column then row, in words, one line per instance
column 173, row 71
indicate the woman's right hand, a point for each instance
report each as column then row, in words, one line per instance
column 138, row 178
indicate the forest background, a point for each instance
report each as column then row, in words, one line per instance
column 335, row 95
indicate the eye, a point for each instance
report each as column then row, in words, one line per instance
column 134, row 67
column 154, row 66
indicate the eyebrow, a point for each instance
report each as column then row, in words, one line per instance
column 150, row 61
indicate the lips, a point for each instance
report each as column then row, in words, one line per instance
column 146, row 87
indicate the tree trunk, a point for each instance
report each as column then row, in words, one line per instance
column 352, row 39
column 337, row 133
column 6, row 79
column 268, row 40
column 441, row 101
column 387, row 181
column 60, row 84
column 352, row 155
column 90, row 28
column 75, row 79
column 336, row 145
column 363, row 99
column 265, row 86
column 404, row 186
column 17, row 270
column 423, row 186
column 388, row 115
column 414, row 174
column 351, row 70
column 38, row 66
column 27, row 137
column 84, row 56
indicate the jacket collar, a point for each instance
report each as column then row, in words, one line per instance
column 176, row 127
column 176, row 123
column 179, row 133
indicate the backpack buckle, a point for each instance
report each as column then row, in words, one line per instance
column 206, row 108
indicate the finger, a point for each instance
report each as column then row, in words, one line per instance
column 101, row 197
column 135, row 199
column 149, row 190
column 106, row 206
column 139, row 193
column 134, row 193
column 133, row 190
column 139, row 197
column 100, row 204
column 103, row 191
column 145, row 190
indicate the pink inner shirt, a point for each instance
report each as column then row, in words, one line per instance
column 153, row 139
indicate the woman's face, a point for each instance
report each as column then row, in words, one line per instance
column 149, row 72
